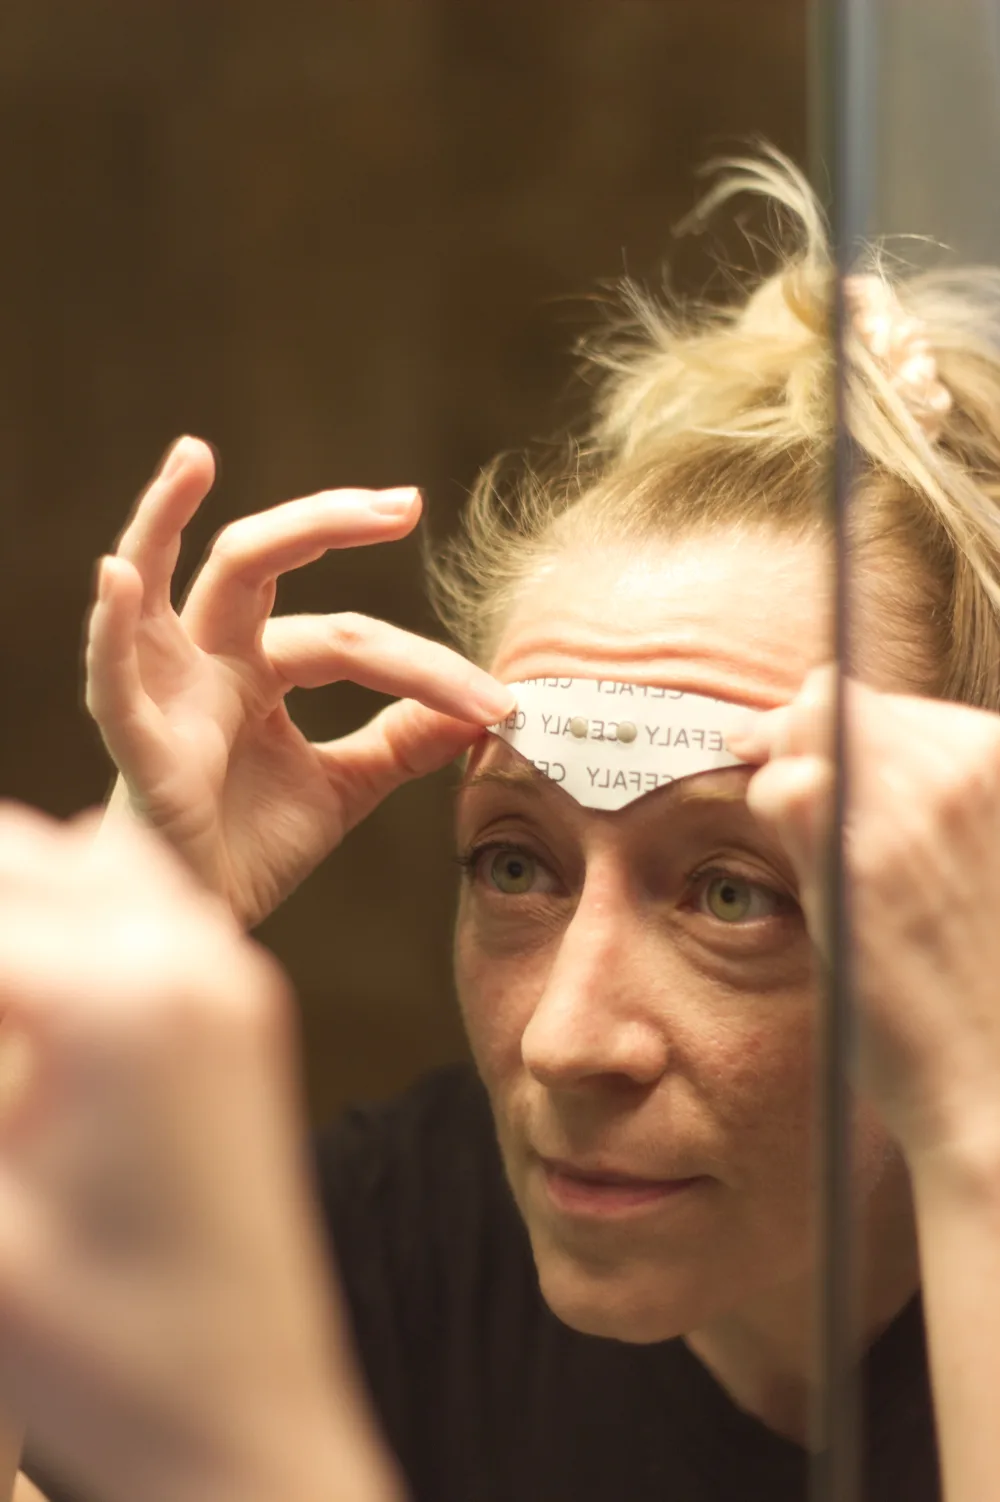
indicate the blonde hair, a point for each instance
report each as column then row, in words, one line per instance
column 709, row 415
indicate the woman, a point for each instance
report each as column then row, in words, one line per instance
column 618, row 1302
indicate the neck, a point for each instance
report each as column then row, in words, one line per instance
column 766, row 1352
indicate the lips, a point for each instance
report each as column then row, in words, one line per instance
column 599, row 1175
column 593, row 1193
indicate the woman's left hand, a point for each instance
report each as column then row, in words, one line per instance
column 922, row 842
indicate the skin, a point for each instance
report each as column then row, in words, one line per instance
column 631, row 1013
column 167, row 1325
column 626, row 1017
column 619, row 1022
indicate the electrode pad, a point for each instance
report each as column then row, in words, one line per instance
column 607, row 743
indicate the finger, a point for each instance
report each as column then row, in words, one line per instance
column 796, row 729
column 232, row 596
column 307, row 651
column 129, row 722
column 74, row 962
column 30, row 846
column 404, row 741
column 118, row 853
column 47, row 860
column 761, row 736
column 152, row 537
column 794, row 797
column 114, row 682
column 85, row 824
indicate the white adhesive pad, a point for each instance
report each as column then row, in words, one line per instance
column 607, row 743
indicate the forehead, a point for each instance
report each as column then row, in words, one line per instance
column 742, row 616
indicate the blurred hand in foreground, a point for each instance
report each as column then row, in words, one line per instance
column 167, row 1326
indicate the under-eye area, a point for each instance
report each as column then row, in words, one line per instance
column 508, row 869
column 692, row 864
column 726, row 910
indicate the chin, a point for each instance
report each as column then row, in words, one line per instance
column 639, row 1305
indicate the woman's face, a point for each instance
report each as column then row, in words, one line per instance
column 638, row 985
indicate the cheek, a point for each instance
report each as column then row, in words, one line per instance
column 497, row 994
column 763, row 1081
column 760, row 1075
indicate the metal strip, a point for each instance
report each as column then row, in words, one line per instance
column 843, row 123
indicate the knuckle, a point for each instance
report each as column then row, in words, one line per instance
column 349, row 632
column 401, row 738
column 230, row 549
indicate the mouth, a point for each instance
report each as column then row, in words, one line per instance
column 583, row 1191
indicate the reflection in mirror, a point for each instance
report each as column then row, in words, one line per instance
column 906, row 116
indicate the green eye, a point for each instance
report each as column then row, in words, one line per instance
column 730, row 898
column 513, row 872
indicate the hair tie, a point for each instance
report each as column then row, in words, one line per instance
column 899, row 343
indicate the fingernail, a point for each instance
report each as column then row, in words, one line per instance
column 742, row 735
column 496, row 702
column 394, row 502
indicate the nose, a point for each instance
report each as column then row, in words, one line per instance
column 597, row 1013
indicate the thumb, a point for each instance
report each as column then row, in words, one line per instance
column 403, row 741
column 793, row 798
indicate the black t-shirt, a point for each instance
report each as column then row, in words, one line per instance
column 486, row 1397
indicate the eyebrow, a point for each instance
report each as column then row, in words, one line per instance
column 526, row 779
column 522, row 779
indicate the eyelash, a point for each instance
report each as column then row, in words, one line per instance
column 469, row 861
column 698, row 881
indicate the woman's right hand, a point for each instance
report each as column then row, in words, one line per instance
column 191, row 704
column 170, row 1323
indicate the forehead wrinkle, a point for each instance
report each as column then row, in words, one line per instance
column 741, row 618
column 690, row 661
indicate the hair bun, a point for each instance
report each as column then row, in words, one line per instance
column 899, row 345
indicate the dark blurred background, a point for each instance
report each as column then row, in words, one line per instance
column 347, row 242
